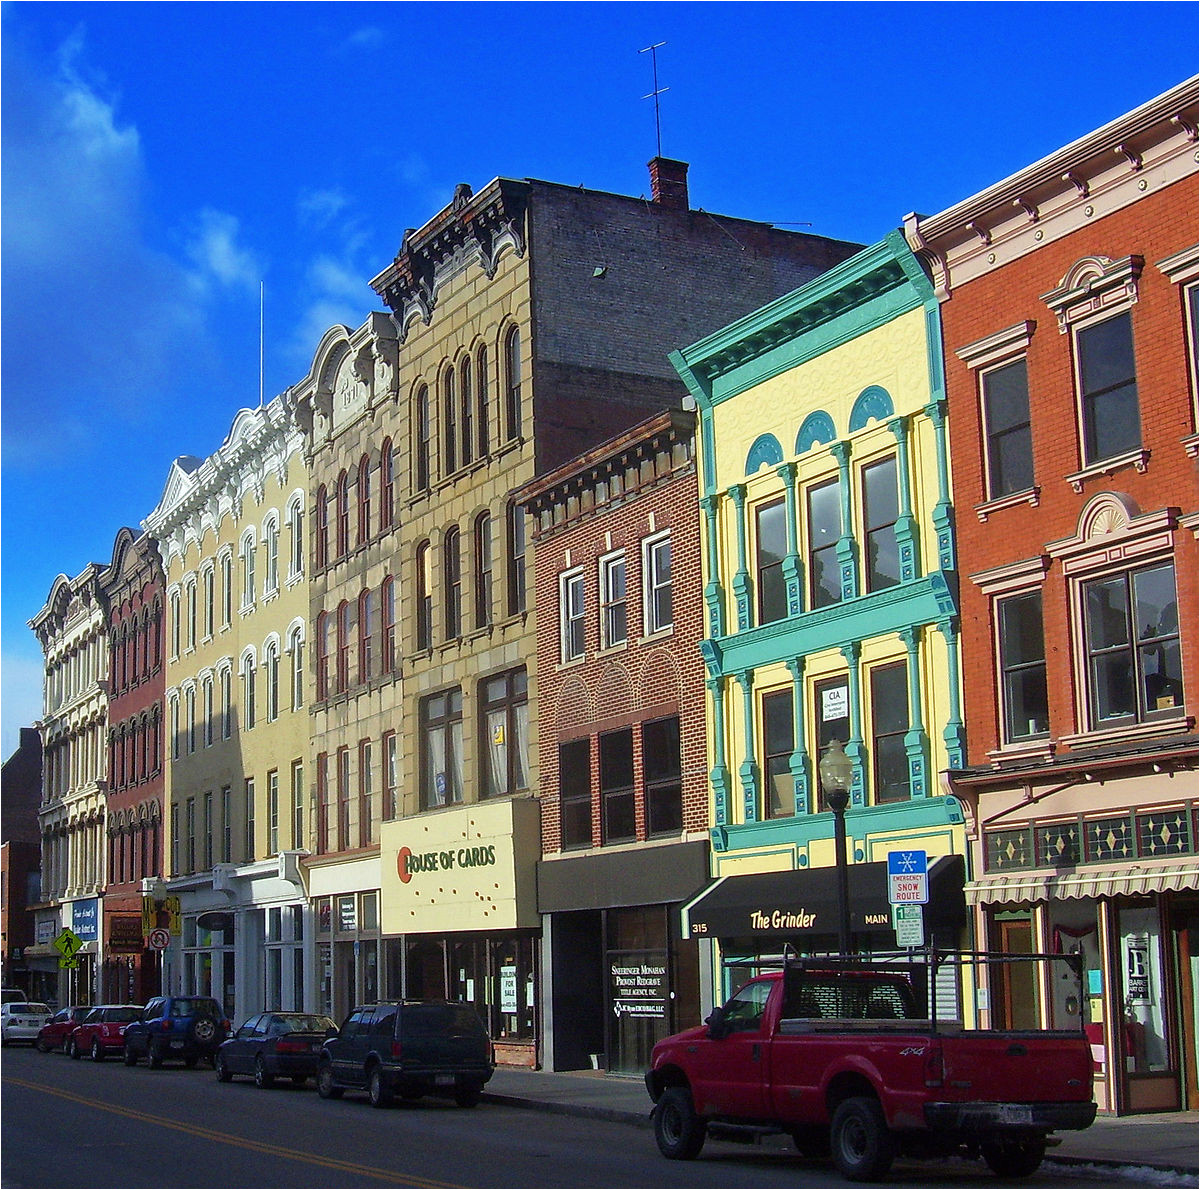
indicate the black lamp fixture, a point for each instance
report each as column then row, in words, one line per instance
column 837, row 772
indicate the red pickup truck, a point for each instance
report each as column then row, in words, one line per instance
column 850, row 1058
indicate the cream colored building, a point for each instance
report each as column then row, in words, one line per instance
column 233, row 537
column 71, row 629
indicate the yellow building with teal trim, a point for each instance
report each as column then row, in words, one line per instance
column 830, row 590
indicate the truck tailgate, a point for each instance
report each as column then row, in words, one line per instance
column 1016, row 1067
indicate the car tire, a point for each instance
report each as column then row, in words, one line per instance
column 130, row 1057
column 1014, row 1158
column 263, row 1078
column 326, row 1087
column 678, row 1131
column 378, row 1092
column 41, row 1045
column 154, row 1056
column 224, row 1074
column 203, row 1030
column 73, row 1050
column 97, row 1050
column 862, row 1145
column 468, row 1096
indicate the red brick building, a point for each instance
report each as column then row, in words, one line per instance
column 132, row 588
column 624, row 805
column 1069, row 306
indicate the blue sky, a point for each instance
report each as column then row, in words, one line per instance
column 160, row 160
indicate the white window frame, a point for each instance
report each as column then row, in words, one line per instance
column 270, row 539
column 572, row 602
column 295, row 520
column 652, row 584
column 248, row 554
column 607, row 566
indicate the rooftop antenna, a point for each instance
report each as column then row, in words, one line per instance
column 260, row 344
column 651, row 50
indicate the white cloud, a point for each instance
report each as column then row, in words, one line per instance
column 214, row 250
column 319, row 208
column 368, row 37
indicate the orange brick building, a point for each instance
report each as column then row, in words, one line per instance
column 1069, row 308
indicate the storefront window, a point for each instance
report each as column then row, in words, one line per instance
column 1142, row 988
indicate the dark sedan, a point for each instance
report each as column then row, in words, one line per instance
column 274, row 1045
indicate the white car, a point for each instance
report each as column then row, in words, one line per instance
column 22, row 1021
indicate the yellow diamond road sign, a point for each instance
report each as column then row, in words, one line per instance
column 67, row 943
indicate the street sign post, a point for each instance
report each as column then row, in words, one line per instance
column 908, row 878
column 909, row 923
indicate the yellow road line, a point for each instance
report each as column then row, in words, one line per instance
column 254, row 1146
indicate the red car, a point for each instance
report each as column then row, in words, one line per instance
column 102, row 1029
column 57, row 1033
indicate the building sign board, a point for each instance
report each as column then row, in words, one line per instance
column 85, row 919
column 639, row 985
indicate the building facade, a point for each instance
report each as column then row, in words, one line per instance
column 531, row 321
column 624, row 807
column 20, row 858
column 231, row 530
column 1069, row 305
column 133, row 591
column 830, row 595
column 73, row 632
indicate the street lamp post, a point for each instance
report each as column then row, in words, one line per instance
column 837, row 771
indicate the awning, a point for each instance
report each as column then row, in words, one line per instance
column 1127, row 880
column 804, row 902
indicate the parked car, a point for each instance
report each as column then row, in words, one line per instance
column 12, row 996
column 103, row 1029
column 57, row 1032
column 410, row 1048
column 187, row 1027
column 22, row 1020
column 274, row 1045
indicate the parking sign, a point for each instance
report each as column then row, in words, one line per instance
column 908, row 878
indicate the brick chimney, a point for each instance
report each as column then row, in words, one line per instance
column 668, row 183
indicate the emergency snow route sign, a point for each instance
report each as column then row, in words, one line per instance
column 908, row 878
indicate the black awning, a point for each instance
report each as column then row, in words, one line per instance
column 804, row 903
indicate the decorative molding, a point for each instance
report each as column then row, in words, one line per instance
column 1012, row 340
column 1030, row 496
column 1138, row 459
column 1094, row 285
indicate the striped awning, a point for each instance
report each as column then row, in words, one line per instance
column 1126, row 880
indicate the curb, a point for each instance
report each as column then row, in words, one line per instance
column 616, row 1115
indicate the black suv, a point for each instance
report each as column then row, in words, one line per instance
column 187, row 1027
column 408, row 1048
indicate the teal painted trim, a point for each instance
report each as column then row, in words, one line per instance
column 741, row 578
column 793, row 572
column 906, row 524
column 798, row 761
column 748, row 769
column 954, row 733
column 815, row 430
column 925, row 814
column 943, row 510
column 847, row 547
column 708, row 452
column 916, row 743
column 873, row 402
column 719, row 775
column 714, row 594
column 700, row 390
column 765, row 452
column 852, row 652
column 926, row 600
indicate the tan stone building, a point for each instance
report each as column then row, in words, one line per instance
column 528, row 322
column 233, row 540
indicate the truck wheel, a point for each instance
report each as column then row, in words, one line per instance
column 97, row 1050
column 154, row 1056
column 677, row 1129
column 130, row 1056
column 1014, row 1158
column 325, row 1085
column 862, row 1145
column 378, row 1092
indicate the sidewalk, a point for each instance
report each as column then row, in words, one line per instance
column 1166, row 1141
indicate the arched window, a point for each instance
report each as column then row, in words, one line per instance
column 210, row 602
column 481, row 427
column 191, row 613
column 189, row 714
column 343, row 515
column 206, row 709
column 271, row 665
column 323, row 655
column 321, row 545
column 226, row 589
column 296, row 648
column 248, row 564
column 387, row 485
column 483, row 570
column 387, row 605
column 364, row 500
column 468, row 409
column 226, row 703
column 368, row 610
column 173, row 602
column 345, row 642
column 512, row 383
column 271, row 544
column 295, row 518
column 450, row 413
column 421, row 443
column 452, row 578
column 424, row 598
column 516, row 559
column 248, row 690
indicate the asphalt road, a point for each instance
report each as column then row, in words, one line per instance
column 67, row 1124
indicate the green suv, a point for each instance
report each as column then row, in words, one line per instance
column 187, row 1027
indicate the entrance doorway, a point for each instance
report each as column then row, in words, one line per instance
column 1015, row 997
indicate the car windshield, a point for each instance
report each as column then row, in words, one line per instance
column 301, row 1023
column 124, row 1014
column 188, row 1007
